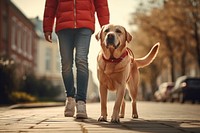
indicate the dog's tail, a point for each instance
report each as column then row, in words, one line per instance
column 144, row 61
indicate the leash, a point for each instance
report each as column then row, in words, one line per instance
column 131, row 54
column 130, row 51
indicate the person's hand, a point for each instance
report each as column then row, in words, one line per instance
column 48, row 36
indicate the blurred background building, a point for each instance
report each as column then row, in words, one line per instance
column 47, row 57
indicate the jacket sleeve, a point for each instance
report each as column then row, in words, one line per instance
column 102, row 10
column 49, row 15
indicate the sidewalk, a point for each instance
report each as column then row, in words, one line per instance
column 153, row 118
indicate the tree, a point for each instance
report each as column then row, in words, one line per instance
column 175, row 24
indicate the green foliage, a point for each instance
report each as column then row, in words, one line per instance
column 21, row 97
column 42, row 88
column 27, row 88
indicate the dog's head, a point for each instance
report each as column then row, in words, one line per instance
column 113, row 40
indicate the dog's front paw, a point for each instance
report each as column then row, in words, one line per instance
column 102, row 119
column 115, row 119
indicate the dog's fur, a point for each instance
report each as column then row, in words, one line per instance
column 118, row 70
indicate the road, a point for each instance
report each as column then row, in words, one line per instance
column 153, row 118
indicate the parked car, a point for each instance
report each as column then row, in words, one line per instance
column 163, row 92
column 186, row 89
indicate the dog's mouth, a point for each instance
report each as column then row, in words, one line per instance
column 112, row 45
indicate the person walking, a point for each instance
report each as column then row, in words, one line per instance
column 74, row 25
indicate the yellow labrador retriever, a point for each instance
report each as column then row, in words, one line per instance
column 118, row 69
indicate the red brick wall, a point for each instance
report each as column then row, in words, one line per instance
column 20, row 41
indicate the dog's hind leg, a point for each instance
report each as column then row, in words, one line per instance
column 134, row 108
column 133, row 89
column 133, row 93
column 122, row 110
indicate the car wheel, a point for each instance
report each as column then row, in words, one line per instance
column 171, row 100
column 193, row 101
column 181, row 98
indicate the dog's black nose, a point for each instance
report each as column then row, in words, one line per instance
column 110, row 39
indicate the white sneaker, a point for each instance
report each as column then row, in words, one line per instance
column 81, row 110
column 69, row 107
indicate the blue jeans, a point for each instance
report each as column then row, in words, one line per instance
column 78, row 41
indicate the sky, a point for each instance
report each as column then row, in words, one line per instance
column 120, row 11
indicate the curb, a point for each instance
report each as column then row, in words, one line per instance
column 36, row 105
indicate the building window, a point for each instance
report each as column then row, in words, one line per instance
column 24, row 38
column 48, row 54
column 19, row 37
column 27, row 42
column 29, row 45
column 4, row 25
column 13, row 33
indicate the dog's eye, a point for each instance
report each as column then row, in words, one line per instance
column 107, row 30
column 118, row 31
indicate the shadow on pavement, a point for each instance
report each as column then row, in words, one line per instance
column 141, row 125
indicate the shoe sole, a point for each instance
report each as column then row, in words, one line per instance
column 69, row 115
column 81, row 116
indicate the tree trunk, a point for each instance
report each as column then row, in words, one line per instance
column 197, row 43
column 171, row 58
column 183, row 66
column 195, row 15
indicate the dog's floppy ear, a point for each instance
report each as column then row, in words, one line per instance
column 98, row 35
column 128, row 37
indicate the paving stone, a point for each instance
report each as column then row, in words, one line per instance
column 153, row 118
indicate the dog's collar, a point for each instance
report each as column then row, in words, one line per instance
column 117, row 60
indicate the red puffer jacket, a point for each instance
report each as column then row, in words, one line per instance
column 74, row 14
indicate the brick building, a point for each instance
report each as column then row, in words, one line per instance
column 17, row 37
